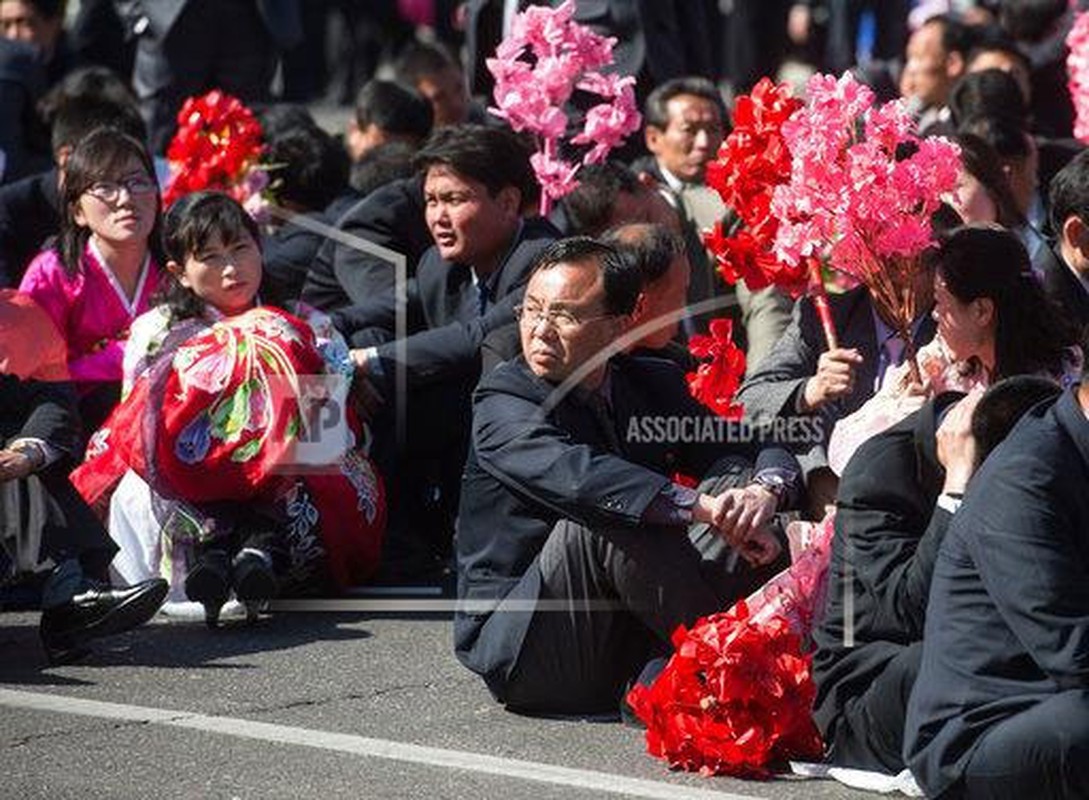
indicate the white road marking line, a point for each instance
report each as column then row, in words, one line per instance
column 364, row 746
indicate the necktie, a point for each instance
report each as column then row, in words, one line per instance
column 891, row 354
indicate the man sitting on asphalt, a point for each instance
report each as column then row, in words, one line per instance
column 573, row 564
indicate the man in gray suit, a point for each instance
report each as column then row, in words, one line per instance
column 187, row 47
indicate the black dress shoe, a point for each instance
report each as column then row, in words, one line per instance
column 253, row 580
column 208, row 584
column 95, row 612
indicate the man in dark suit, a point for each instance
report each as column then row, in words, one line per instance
column 801, row 377
column 48, row 527
column 391, row 217
column 572, row 572
column 21, row 84
column 477, row 181
column 187, row 47
column 29, row 208
column 1066, row 282
column 896, row 499
column 1001, row 705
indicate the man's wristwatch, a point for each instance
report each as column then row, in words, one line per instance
column 33, row 453
column 773, row 482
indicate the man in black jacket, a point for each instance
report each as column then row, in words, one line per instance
column 1066, row 280
column 896, row 500
column 476, row 183
column 1001, row 705
column 48, row 527
column 573, row 565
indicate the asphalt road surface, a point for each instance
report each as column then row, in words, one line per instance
column 356, row 703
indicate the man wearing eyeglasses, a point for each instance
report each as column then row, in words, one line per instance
column 574, row 567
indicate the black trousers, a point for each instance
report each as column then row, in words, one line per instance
column 43, row 517
column 869, row 734
column 1042, row 753
column 610, row 600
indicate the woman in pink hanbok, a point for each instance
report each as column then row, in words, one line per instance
column 104, row 269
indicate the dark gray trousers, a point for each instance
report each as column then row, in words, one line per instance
column 610, row 600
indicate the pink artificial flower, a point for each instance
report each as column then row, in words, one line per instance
column 1077, row 67
column 556, row 176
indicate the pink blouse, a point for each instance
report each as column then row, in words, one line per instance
column 90, row 310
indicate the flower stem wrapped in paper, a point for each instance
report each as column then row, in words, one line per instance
column 218, row 146
column 835, row 179
column 537, row 69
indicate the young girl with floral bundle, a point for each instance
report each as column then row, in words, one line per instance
column 104, row 268
column 203, row 451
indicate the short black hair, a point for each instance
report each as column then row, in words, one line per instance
column 1030, row 20
column 1070, row 192
column 496, row 157
column 956, row 36
column 990, row 93
column 49, row 9
column 656, row 112
column 86, row 99
column 1008, row 138
column 589, row 206
column 189, row 225
column 381, row 165
column 278, row 118
column 394, row 109
column 1002, row 407
column 993, row 39
column 649, row 248
column 421, row 60
column 622, row 284
column 308, row 167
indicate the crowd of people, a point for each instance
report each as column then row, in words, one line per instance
column 498, row 374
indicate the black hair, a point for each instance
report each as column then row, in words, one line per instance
column 956, row 36
column 1008, row 138
column 988, row 94
column 993, row 39
column 1070, row 192
column 495, row 157
column 982, row 162
column 1031, row 334
column 622, row 284
column 89, row 98
column 1030, row 20
column 381, row 165
column 394, row 109
column 49, row 9
column 98, row 157
column 1003, row 405
column 589, row 206
column 189, row 225
column 277, row 119
column 421, row 60
column 649, row 248
column 656, row 112
column 308, row 167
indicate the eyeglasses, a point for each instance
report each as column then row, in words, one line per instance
column 110, row 191
column 562, row 319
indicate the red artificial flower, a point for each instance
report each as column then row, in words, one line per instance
column 752, row 161
column 716, row 382
column 217, row 141
column 734, row 698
